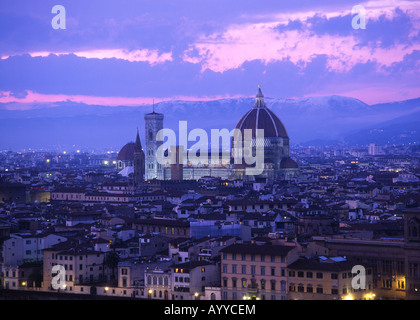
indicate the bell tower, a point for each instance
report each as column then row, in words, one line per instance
column 153, row 123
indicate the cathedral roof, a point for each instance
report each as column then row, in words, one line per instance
column 127, row 152
column 260, row 117
column 288, row 163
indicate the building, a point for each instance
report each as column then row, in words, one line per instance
column 27, row 248
column 12, row 192
column 81, row 264
column 139, row 159
column 125, row 157
column 153, row 123
column 326, row 279
column 254, row 272
column 158, row 283
column 374, row 149
column 277, row 162
column 131, row 160
column 168, row 227
column 189, row 279
column 275, row 141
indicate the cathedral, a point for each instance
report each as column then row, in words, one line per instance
column 278, row 165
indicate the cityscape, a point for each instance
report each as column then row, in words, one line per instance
column 238, row 195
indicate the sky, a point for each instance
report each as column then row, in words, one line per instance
column 133, row 52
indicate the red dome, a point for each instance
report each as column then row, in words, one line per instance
column 260, row 117
column 127, row 152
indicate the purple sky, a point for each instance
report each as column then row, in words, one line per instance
column 129, row 52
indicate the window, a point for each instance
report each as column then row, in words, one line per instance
column 334, row 291
column 273, row 285
column 253, row 257
column 301, row 288
column 243, row 283
column 225, row 268
column 273, row 258
column 124, row 271
column 291, row 273
column 233, row 268
column 300, row 274
column 243, row 269
column 319, row 275
column 263, row 271
column 309, row 274
column 233, row 256
column 253, row 270
column 243, row 256
column 283, row 286
column 319, row 290
column 334, row 276
column 262, row 258
column 309, row 288
column 234, row 283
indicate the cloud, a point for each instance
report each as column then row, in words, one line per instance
column 391, row 34
column 144, row 50
column 144, row 55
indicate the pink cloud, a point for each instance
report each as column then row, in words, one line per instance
column 262, row 41
column 143, row 55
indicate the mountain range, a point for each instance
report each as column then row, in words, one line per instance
column 313, row 120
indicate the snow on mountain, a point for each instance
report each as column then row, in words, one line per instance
column 68, row 123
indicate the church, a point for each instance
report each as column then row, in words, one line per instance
column 143, row 163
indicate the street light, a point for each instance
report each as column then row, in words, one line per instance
column 196, row 295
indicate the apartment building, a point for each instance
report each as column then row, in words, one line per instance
column 81, row 264
column 23, row 248
column 327, row 279
column 189, row 279
column 255, row 272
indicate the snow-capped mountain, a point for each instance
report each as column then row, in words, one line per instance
column 68, row 123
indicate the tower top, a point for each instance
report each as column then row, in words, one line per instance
column 153, row 113
column 138, row 147
column 259, row 99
